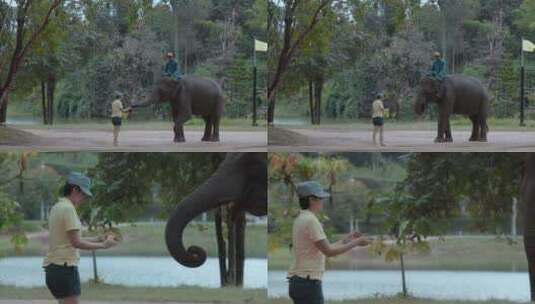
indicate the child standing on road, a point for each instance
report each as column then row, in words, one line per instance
column 378, row 119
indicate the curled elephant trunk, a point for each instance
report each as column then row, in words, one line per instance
column 221, row 188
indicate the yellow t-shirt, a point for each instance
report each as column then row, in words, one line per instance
column 63, row 218
column 308, row 260
column 117, row 108
column 378, row 109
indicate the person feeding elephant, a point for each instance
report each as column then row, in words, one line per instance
column 172, row 68
column 117, row 113
column 310, row 246
column 61, row 260
column 378, row 112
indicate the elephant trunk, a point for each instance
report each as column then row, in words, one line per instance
column 221, row 188
column 420, row 104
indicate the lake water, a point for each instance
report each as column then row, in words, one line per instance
column 133, row 271
column 453, row 285
column 23, row 120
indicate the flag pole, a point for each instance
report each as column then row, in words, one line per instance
column 522, row 92
column 254, row 82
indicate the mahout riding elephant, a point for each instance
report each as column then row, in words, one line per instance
column 457, row 94
column 528, row 199
column 190, row 96
column 240, row 180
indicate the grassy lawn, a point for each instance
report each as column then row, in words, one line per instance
column 395, row 300
column 147, row 239
column 104, row 292
column 229, row 124
column 455, row 253
column 457, row 123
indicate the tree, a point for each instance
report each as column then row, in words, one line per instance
column 27, row 31
column 294, row 32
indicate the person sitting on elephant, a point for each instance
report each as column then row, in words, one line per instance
column 171, row 68
column 438, row 69
column 378, row 112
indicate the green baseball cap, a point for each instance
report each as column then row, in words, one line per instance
column 82, row 181
column 311, row 188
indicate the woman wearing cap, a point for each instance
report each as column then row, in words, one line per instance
column 378, row 113
column 117, row 112
column 310, row 246
column 60, row 263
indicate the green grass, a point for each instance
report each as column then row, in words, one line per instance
column 457, row 123
column 104, row 292
column 398, row 300
column 456, row 253
column 229, row 124
column 147, row 239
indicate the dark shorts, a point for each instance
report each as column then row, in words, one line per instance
column 378, row 121
column 116, row 121
column 63, row 281
column 305, row 291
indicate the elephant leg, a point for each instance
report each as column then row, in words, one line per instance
column 440, row 129
column 179, row 133
column 448, row 138
column 207, row 129
column 215, row 122
column 529, row 246
column 483, row 128
column 475, row 128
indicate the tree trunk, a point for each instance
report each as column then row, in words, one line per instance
column 3, row 109
column 271, row 109
column 43, row 102
column 239, row 233
column 221, row 247
column 95, row 272
column 231, row 237
column 50, row 88
column 318, row 88
column 311, row 101
column 403, row 281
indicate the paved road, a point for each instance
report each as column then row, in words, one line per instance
column 407, row 141
column 140, row 140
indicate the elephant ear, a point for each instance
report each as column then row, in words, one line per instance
column 182, row 100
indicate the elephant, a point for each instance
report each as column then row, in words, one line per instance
column 190, row 96
column 457, row 94
column 241, row 181
column 528, row 200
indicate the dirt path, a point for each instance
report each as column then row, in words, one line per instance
column 139, row 141
column 405, row 140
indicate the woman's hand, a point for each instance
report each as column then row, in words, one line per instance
column 109, row 241
column 352, row 236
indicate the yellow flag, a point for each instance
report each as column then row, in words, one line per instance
column 260, row 46
column 528, row 46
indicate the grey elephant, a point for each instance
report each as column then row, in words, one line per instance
column 457, row 94
column 241, row 179
column 190, row 96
